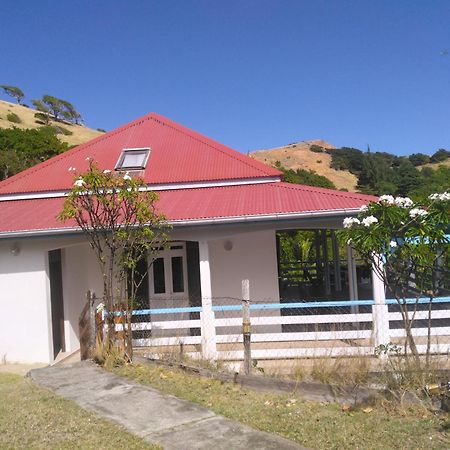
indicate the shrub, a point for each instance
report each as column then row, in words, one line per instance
column 101, row 130
column 13, row 117
column 62, row 130
column 316, row 148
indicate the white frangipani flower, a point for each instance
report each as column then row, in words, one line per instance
column 441, row 197
column 369, row 220
column 417, row 212
column 392, row 244
column 363, row 208
column 106, row 171
column 389, row 199
column 403, row 202
column 350, row 221
column 126, row 176
column 79, row 182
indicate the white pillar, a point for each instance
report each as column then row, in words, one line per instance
column 380, row 312
column 208, row 328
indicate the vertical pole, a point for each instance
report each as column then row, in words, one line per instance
column 337, row 263
column 246, row 331
column 326, row 263
column 208, row 328
column 91, row 300
column 352, row 277
column 380, row 311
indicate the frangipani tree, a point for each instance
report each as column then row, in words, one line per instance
column 118, row 215
column 407, row 243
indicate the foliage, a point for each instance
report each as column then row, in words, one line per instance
column 406, row 243
column 13, row 117
column 307, row 177
column 440, row 156
column 118, row 216
column 418, row 159
column 316, row 148
column 20, row 149
column 13, row 91
column 57, row 108
column 62, row 130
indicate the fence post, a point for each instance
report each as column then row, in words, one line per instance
column 380, row 311
column 92, row 324
column 246, row 331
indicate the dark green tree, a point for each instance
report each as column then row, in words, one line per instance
column 440, row 156
column 418, row 159
column 13, row 91
column 20, row 149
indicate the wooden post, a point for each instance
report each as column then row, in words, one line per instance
column 246, row 331
column 92, row 330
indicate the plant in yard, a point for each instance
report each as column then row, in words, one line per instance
column 118, row 215
column 408, row 246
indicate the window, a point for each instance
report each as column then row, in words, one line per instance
column 168, row 276
column 133, row 158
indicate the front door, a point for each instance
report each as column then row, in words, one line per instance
column 56, row 300
column 168, row 273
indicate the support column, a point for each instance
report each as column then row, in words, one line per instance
column 380, row 312
column 209, row 349
column 352, row 278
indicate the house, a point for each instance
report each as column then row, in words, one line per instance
column 228, row 212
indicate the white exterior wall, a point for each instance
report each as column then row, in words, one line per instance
column 25, row 306
column 80, row 274
column 254, row 257
column 25, row 330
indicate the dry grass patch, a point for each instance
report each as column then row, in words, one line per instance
column 34, row 418
column 315, row 425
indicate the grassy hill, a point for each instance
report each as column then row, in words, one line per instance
column 300, row 156
column 80, row 134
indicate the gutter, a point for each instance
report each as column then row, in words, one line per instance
column 248, row 220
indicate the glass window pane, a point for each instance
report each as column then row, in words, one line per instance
column 177, row 274
column 134, row 159
column 159, row 283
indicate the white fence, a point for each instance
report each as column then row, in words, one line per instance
column 291, row 330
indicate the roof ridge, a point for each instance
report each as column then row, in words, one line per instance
column 210, row 143
column 72, row 151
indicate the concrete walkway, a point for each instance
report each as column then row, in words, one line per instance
column 150, row 414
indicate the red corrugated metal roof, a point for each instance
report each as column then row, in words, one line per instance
column 197, row 204
column 178, row 154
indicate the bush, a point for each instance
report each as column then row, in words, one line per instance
column 440, row 155
column 62, row 130
column 101, row 130
column 316, row 148
column 14, row 118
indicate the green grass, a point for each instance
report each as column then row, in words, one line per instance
column 315, row 425
column 34, row 418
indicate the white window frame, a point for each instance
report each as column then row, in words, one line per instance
column 167, row 256
column 119, row 163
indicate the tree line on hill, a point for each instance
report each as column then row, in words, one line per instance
column 380, row 172
column 48, row 107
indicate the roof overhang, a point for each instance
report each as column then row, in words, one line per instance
column 279, row 219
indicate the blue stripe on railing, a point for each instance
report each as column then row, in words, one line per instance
column 304, row 305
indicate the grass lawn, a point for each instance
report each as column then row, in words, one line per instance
column 32, row 417
column 315, row 425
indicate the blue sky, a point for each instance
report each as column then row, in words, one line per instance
column 249, row 73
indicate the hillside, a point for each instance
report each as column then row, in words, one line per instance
column 299, row 156
column 80, row 134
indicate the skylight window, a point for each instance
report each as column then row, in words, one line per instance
column 133, row 159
